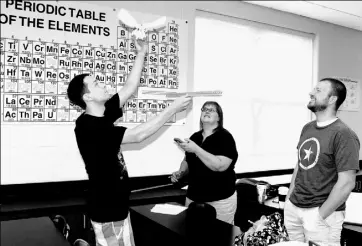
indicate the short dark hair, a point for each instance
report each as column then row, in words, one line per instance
column 218, row 111
column 76, row 90
column 338, row 89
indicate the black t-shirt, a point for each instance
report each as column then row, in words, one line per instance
column 206, row 185
column 99, row 143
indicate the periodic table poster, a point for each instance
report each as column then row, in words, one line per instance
column 44, row 44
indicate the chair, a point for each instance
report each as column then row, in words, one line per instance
column 80, row 242
column 248, row 207
column 62, row 225
column 199, row 218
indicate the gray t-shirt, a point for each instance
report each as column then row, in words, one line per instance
column 322, row 153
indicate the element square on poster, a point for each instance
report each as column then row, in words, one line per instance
column 88, row 52
column 131, row 104
column 37, row 114
column 51, row 74
column 141, row 116
column 11, row 59
column 51, row 87
column 76, row 63
column 24, row 101
column 37, row 101
column 10, row 114
column 25, row 60
column 26, row 47
column 64, row 50
column 51, row 61
column 25, row 73
column 24, row 86
column 63, row 102
column 38, row 60
column 50, row 115
column 11, row 85
column 76, row 51
column 11, row 72
column 130, row 116
column 38, row 48
column 151, row 81
column 51, row 49
column 37, row 86
column 24, row 114
column 63, row 115
column 10, row 101
column 11, row 45
column 50, row 102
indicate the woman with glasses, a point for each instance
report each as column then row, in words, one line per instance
column 209, row 164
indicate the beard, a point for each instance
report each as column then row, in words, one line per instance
column 316, row 107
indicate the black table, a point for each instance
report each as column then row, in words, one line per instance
column 31, row 232
column 46, row 206
column 162, row 229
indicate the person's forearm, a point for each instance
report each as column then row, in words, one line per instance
column 148, row 128
column 184, row 168
column 336, row 198
column 133, row 79
column 211, row 161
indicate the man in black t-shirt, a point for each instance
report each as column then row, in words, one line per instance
column 326, row 171
column 99, row 142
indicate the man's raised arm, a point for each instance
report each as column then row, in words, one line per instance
column 133, row 79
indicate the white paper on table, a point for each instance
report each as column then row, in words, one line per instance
column 168, row 209
column 185, row 187
column 353, row 204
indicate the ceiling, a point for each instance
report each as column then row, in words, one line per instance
column 343, row 13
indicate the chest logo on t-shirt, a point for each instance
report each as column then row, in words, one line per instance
column 308, row 153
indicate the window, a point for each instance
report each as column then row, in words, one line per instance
column 265, row 73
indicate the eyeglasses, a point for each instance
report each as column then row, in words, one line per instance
column 210, row 110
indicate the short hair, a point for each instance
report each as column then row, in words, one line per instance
column 218, row 111
column 338, row 89
column 76, row 90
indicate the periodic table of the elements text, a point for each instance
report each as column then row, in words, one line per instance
column 35, row 75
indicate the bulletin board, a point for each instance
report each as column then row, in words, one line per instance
column 353, row 97
column 44, row 44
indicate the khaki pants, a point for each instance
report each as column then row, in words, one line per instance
column 305, row 224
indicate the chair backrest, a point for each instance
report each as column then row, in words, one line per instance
column 201, row 211
column 62, row 225
column 80, row 242
column 199, row 218
column 248, row 207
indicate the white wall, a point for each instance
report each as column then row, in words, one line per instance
column 338, row 49
column 339, row 53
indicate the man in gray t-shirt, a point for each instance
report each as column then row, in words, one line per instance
column 328, row 156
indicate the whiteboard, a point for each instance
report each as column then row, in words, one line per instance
column 46, row 43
